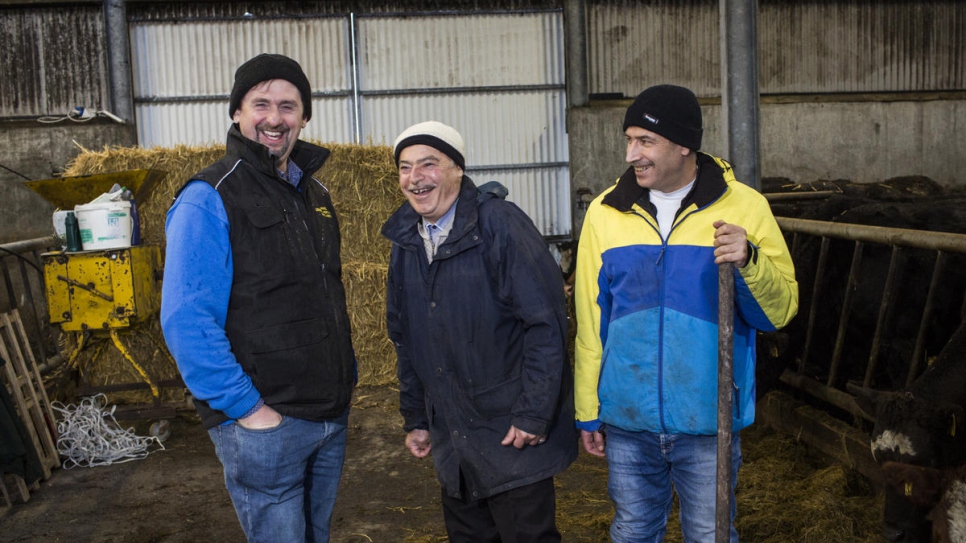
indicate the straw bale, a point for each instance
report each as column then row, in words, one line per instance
column 365, row 284
column 365, row 191
column 362, row 181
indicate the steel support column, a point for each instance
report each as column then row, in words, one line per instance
column 575, row 46
column 739, row 88
column 119, row 60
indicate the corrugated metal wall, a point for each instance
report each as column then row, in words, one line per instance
column 181, row 96
column 496, row 77
column 52, row 59
column 804, row 47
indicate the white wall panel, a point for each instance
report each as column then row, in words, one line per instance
column 461, row 51
column 200, row 58
column 498, row 128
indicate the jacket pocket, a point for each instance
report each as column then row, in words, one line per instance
column 497, row 400
column 263, row 216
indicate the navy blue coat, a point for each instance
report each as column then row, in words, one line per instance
column 480, row 337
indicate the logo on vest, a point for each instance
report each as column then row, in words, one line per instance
column 324, row 211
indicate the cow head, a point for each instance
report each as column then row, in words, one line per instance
column 912, row 430
column 943, row 492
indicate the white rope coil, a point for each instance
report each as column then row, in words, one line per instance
column 90, row 435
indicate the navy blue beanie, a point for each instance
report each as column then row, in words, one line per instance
column 668, row 110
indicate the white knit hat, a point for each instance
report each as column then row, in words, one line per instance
column 436, row 135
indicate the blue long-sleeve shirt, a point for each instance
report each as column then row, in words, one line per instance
column 194, row 301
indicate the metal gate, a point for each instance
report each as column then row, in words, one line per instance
column 832, row 302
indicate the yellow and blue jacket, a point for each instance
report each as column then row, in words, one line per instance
column 647, row 307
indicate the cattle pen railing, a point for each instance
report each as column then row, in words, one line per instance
column 847, row 442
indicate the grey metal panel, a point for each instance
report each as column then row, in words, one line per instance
column 499, row 128
column 52, row 60
column 805, row 47
column 207, row 122
column 633, row 45
column 863, row 46
column 199, row 58
column 461, row 51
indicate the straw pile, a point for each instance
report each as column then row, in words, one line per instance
column 362, row 180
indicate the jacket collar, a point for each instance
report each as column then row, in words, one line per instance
column 708, row 187
column 307, row 156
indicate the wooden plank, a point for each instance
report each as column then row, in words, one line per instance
column 30, row 371
column 832, row 437
column 4, row 495
column 23, row 389
column 18, row 484
column 16, row 392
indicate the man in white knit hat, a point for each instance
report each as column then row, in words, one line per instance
column 475, row 308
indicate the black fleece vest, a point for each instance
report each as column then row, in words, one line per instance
column 287, row 320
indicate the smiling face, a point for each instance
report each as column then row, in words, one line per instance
column 659, row 164
column 429, row 179
column 271, row 113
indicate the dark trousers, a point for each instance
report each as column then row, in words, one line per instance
column 522, row 515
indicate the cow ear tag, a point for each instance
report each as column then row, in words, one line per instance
column 952, row 429
column 908, row 489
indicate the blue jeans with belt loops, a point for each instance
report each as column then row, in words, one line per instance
column 283, row 480
column 642, row 468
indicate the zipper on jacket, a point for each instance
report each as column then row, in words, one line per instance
column 660, row 263
column 662, row 274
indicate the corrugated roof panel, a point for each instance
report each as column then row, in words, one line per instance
column 204, row 123
column 499, row 128
column 168, row 62
column 463, row 51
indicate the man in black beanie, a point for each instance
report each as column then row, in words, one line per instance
column 253, row 309
column 647, row 295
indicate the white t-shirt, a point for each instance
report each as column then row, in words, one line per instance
column 667, row 204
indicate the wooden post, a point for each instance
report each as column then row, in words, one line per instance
column 726, row 330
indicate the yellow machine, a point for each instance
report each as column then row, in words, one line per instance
column 102, row 290
column 94, row 294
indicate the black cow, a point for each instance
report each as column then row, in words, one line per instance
column 942, row 492
column 923, row 424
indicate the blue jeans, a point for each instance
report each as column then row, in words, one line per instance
column 283, row 480
column 642, row 467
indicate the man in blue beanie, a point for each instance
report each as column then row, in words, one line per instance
column 647, row 301
column 254, row 312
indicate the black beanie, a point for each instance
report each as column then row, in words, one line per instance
column 265, row 67
column 668, row 110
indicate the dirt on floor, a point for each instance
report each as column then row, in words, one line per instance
column 178, row 494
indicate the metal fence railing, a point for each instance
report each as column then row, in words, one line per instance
column 23, row 288
column 835, row 300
